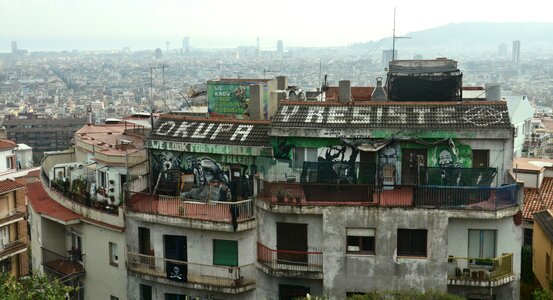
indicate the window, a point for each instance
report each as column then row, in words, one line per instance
column 304, row 154
column 103, row 179
column 547, row 265
column 113, row 256
column 10, row 162
column 76, row 247
column 360, row 240
column 411, row 242
column 176, row 297
column 4, row 237
column 113, row 298
column 6, row 265
column 225, row 253
column 481, row 243
column 145, row 292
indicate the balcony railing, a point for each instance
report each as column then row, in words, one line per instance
column 228, row 212
column 9, row 248
column 295, row 193
column 195, row 273
column 486, row 272
column 66, row 192
column 466, row 197
column 430, row 196
column 63, row 266
column 286, row 260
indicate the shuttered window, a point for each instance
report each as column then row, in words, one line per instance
column 225, row 253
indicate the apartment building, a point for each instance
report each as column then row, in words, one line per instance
column 347, row 196
column 13, row 225
column 41, row 132
column 76, row 212
column 543, row 247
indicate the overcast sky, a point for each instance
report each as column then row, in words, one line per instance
column 148, row 24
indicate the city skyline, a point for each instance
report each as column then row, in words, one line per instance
column 64, row 25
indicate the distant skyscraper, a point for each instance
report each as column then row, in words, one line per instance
column 280, row 46
column 167, row 47
column 387, row 56
column 417, row 56
column 502, row 50
column 14, row 47
column 157, row 53
column 186, row 44
column 257, row 48
column 516, row 51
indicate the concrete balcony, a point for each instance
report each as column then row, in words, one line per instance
column 13, row 248
column 221, row 279
column 63, row 266
column 286, row 263
column 492, row 272
column 458, row 201
column 209, row 215
column 12, row 215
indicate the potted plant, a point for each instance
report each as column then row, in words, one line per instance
column 281, row 195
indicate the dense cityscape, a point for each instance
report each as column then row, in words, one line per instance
column 354, row 172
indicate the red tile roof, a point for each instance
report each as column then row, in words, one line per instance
column 43, row 204
column 9, row 185
column 538, row 199
column 7, row 144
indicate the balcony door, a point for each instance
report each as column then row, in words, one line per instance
column 176, row 250
column 291, row 239
column 411, row 160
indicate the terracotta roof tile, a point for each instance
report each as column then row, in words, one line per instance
column 43, row 204
column 9, row 185
column 538, row 199
column 7, row 144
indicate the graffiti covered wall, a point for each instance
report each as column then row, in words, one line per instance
column 232, row 98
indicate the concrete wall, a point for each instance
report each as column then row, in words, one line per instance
column 200, row 250
column 102, row 280
column 384, row 270
column 531, row 180
column 3, row 155
column 501, row 154
column 159, row 290
column 542, row 246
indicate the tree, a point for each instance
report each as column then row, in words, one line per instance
column 35, row 287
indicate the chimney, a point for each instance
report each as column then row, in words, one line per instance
column 379, row 95
column 282, row 83
column 89, row 116
column 493, row 91
column 255, row 107
column 344, row 87
column 274, row 102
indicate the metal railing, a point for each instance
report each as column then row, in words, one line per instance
column 466, row 197
column 177, row 207
column 295, row 193
column 210, row 275
column 64, row 265
column 287, row 260
column 66, row 192
column 480, row 269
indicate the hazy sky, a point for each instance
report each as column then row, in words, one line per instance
column 48, row 24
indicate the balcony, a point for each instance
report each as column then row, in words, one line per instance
column 285, row 263
column 491, row 272
column 466, row 197
column 63, row 266
column 235, row 213
column 223, row 279
column 12, row 248
column 12, row 215
column 66, row 192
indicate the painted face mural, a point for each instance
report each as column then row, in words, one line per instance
column 196, row 178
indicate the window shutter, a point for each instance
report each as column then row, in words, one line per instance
column 225, row 253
